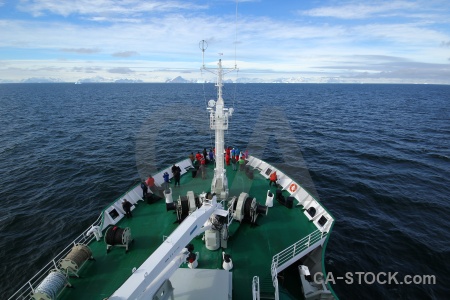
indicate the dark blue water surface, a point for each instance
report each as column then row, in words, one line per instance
column 378, row 157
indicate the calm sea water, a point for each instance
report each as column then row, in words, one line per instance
column 377, row 156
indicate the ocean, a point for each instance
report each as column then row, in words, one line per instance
column 376, row 156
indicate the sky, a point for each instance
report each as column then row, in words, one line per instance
column 269, row 41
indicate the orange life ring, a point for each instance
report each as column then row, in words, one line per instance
column 293, row 187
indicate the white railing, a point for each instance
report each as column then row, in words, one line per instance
column 255, row 288
column 292, row 251
column 273, row 272
column 28, row 288
column 290, row 254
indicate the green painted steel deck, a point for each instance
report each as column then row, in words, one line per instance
column 251, row 247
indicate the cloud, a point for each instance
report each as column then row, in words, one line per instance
column 121, row 70
column 86, row 69
column 168, row 40
column 125, row 54
column 110, row 8
column 80, row 50
column 357, row 10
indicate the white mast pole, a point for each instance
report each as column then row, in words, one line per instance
column 219, row 123
column 219, row 184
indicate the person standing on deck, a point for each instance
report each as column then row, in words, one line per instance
column 241, row 164
column 203, row 161
column 173, row 169
column 273, row 179
column 234, row 163
column 150, row 181
column 198, row 156
column 166, row 180
column 151, row 184
column 202, row 169
column 126, row 205
column 177, row 175
column 205, row 153
column 192, row 157
column 227, row 158
column 211, row 155
column 144, row 188
column 228, row 150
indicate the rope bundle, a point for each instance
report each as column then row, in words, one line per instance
column 50, row 287
column 116, row 236
column 76, row 257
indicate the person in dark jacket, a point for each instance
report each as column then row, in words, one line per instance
column 176, row 174
column 144, row 188
column 211, row 155
column 126, row 205
column 205, row 154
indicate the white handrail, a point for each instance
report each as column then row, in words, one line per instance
column 290, row 252
column 255, row 288
column 293, row 250
column 273, row 272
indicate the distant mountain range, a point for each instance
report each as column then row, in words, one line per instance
column 179, row 79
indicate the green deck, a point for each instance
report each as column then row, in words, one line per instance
column 251, row 248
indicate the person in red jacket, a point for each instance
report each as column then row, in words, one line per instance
column 198, row 157
column 273, row 178
column 227, row 159
column 150, row 181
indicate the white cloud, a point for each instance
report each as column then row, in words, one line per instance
column 167, row 43
column 102, row 7
column 125, row 54
column 358, row 10
column 80, row 50
column 121, row 70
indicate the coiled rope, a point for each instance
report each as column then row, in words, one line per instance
column 76, row 257
column 51, row 286
column 115, row 236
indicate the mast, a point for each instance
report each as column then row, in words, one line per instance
column 218, row 116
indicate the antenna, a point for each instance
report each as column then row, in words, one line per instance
column 235, row 33
column 203, row 45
